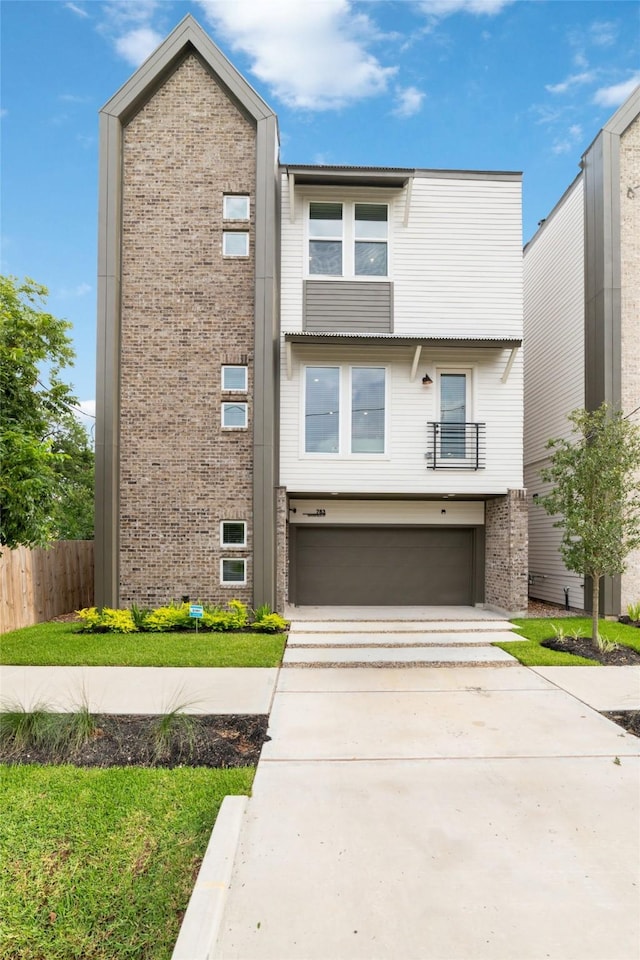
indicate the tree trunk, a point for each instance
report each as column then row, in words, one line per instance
column 595, row 604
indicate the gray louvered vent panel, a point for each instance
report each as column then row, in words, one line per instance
column 343, row 306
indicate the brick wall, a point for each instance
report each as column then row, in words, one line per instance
column 506, row 552
column 630, row 309
column 185, row 311
column 282, row 550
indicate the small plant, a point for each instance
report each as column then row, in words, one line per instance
column 45, row 729
column 606, row 646
column 175, row 729
column 106, row 620
column 559, row 632
column 268, row 622
column 139, row 616
column 575, row 634
column 239, row 614
column 175, row 616
column 633, row 611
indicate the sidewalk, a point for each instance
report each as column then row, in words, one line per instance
column 457, row 813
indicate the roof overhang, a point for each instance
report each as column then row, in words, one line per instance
column 393, row 339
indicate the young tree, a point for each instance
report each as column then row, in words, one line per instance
column 35, row 407
column 595, row 496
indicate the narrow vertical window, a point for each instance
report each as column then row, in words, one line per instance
column 322, row 410
column 325, row 239
column 371, row 240
column 367, row 409
column 453, row 415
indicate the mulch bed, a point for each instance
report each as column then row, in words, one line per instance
column 619, row 656
column 128, row 741
column 629, row 719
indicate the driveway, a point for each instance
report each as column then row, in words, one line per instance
column 437, row 813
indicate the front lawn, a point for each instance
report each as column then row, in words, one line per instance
column 62, row 645
column 100, row 864
column 537, row 629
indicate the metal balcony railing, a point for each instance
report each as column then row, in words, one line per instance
column 455, row 446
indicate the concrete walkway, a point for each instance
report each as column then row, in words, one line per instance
column 452, row 813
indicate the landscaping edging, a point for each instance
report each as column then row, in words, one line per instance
column 205, row 910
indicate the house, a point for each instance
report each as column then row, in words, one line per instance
column 310, row 384
column 582, row 332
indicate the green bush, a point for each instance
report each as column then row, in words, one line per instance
column 175, row 617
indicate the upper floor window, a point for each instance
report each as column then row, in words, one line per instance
column 348, row 239
column 235, row 243
column 234, row 378
column 234, row 416
column 235, row 207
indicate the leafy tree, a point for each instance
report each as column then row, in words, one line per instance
column 73, row 511
column 35, row 411
column 595, row 496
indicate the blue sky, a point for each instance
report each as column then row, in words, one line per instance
column 460, row 84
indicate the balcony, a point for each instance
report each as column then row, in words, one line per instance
column 455, row 446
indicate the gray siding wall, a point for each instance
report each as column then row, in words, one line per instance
column 343, row 306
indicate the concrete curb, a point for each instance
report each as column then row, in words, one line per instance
column 201, row 923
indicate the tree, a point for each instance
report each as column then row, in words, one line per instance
column 35, row 411
column 595, row 496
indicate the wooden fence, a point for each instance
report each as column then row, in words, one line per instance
column 38, row 584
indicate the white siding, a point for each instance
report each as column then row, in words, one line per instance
column 554, row 377
column 554, row 325
column 456, row 267
column 404, row 469
column 547, row 574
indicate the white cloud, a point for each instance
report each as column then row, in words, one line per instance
column 603, row 33
column 446, row 8
column 73, row 98
column 79, row 12
column 569, row 141
column 575, row 80
column 313, row 56
column 615, row 95
column 409, row 102
column 136, row 45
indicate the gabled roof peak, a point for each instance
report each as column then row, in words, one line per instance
column 187, row 36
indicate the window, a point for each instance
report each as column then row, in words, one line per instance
column 348, row 239
column 235, row 244
column 233, row 570
column 234, row 416
column 235, row 207
column 370, row 240
column 322, row 410
column 325, row 239
column 234, row 378
column 367, row 409
column 453, row 414
column 360, row 429
column 233, row 533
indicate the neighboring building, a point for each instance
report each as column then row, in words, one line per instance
column 582, row 333
column 310, row 378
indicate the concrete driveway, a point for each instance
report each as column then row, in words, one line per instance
column 423, row 813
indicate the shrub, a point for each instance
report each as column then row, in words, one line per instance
column 106, row 620
column 266, row 621
column 175, row 616
column 633, row 611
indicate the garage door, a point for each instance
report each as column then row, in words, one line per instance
column 381, row 565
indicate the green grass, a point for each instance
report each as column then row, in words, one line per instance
column 100, row 864
column 537, row 629
column 60, row 644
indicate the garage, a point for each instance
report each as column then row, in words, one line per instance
column 391, row 566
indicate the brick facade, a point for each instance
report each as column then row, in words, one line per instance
column 185, row 311
column 630, row 311
column 506, row 548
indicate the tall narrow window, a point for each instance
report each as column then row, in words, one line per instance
column 325, row 239
column 322, row 410
column 453, row 415
column 367, row 409
column 371, row 239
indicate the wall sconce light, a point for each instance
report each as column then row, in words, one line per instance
column 427, row 379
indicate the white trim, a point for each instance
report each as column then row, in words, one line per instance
column 345, row 381
column 235, row 233
column 233, row 583
column 347, row 237
column 234, row 426
column 233, row 546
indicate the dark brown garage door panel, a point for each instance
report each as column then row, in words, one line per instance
column 387, row 566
